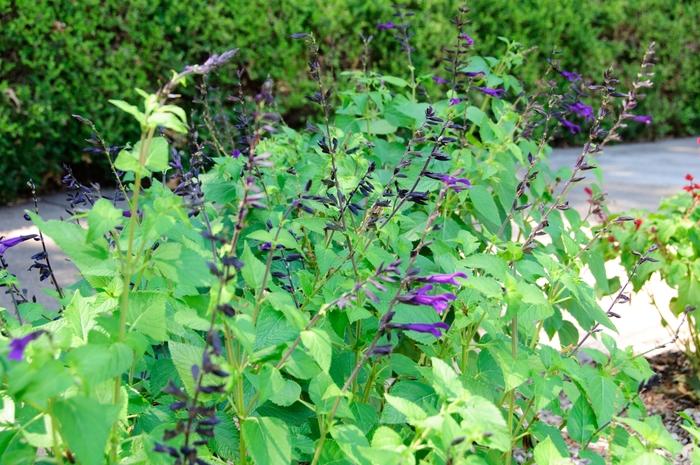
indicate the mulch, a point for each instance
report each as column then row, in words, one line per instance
column 674, row 389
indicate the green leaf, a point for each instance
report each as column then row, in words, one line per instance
column 147, row 314
column 398, row 82
column 85, row 424
column 654, row 432
column 380, row 126
column 581, row 422
column 267, row 440
column 130, row 109
column 445, row 379
column 184, row 356
column 352, row 442
column 157, row 157
column 253, row 269
column 546, row 453
column 102, row 218
column 486, row 209
column 411, row 411
column 604, row 396
column 490, row 429
column 97, row 363
column 91, row 257
column 319, row 345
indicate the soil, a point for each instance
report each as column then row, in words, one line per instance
column 670, row 392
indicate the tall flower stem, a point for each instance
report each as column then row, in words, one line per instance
column 328, row 421
column 126, row 275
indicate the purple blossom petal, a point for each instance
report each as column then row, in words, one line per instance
column 582, row 110
column 18, row 345
column 13, row 241
column 439, row 302
column 443, row 278
column 433, row 328
column 570, row 76
column 495, row 93
column 439, row 80
column 572, row 127
column 644, row 119
column 235, row 153
column 454, row 101
column 458, row 184
column 386, row 26
column 467, row 39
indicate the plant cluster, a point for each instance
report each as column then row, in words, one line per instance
column 672, row 229
column 58, row 59
column 380, row 287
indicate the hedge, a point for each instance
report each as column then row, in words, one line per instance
column 63, row 57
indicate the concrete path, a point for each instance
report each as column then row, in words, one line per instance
column 635, row 176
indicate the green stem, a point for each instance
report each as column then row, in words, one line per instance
column 126, row 277
column 58, row 455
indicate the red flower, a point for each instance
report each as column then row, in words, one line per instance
column 588, row 191
column 689, row 177
column 637, row 224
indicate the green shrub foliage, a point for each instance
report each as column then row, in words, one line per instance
column 673, row 229
column 382, row 286
column 63, row 58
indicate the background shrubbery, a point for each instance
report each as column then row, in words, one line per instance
column 59, row 58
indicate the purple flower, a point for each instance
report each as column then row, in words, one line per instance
column 439, row 302
column 454, row 101
column 13, row 241
column 439, row 80
column 433, row 328
column 458, row 184
column 235, row 153
column 644, row 119
column 572, row 127
column 386, row 26
column 467, row 39
column 570, row 76
column 18, row 345
column 443, row 278
column 496, row 93
column 582, row 110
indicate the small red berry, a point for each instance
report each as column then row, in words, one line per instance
column 588, row 191
column 611, row 239
column 637, row 224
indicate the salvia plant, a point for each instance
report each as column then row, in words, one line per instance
column 396, row 283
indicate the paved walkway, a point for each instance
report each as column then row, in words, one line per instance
column 635, row 176
column 638, row 175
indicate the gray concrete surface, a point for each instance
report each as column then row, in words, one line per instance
column 12, row 223
column 635, row 176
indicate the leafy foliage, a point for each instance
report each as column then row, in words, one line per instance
column 673, row 231
column 380, row 288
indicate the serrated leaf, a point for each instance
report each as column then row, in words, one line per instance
column 102, row 218
column 85, row 424
column 319, row 346
column 267, row 440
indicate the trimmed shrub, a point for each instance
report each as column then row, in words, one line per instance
column 61, row 58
